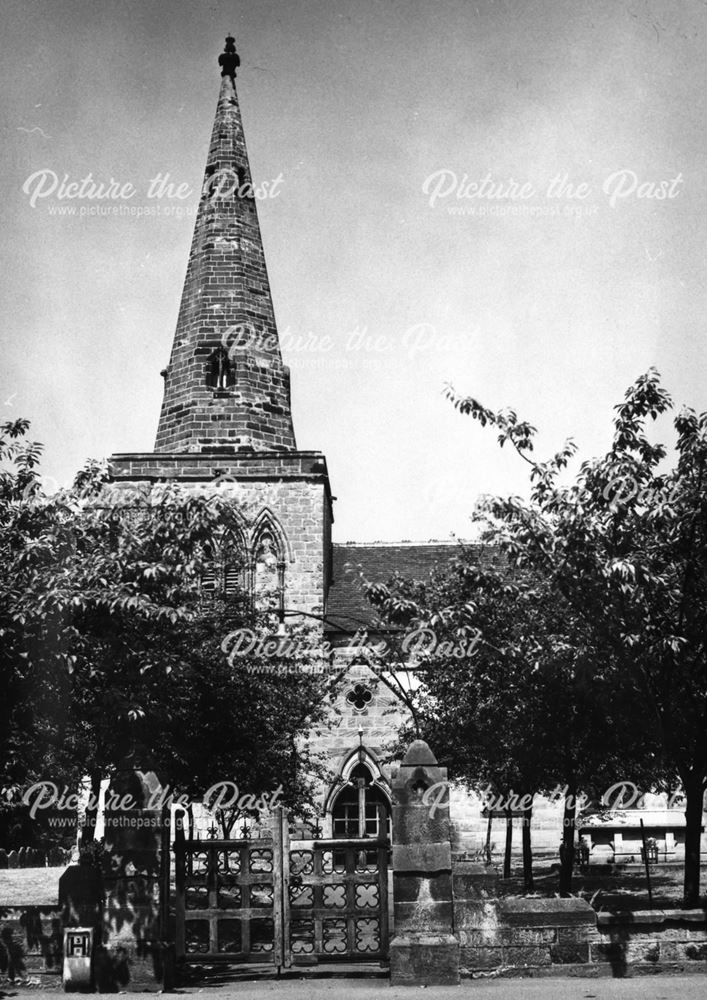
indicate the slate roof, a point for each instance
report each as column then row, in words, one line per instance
column 347, row 607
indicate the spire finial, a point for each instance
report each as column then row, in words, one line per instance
column 229, row 60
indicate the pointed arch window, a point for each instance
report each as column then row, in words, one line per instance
column 360, row 806
column 233, row 565
column 221, row 372
column 268, row 573
column 222, row 577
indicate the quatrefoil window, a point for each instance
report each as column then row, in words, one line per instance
column 359, row 697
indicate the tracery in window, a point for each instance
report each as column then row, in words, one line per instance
column 360, row 806
column 221, row 372
column 268, row 573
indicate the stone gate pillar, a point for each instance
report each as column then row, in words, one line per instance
column 424, row 951
column 133, row 954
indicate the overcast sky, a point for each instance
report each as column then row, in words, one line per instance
column 356, row 104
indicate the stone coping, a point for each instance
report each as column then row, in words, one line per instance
column 697, row 916
column 545, row 912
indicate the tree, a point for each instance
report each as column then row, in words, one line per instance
column 625, row 546
column 512, row 695
column 112, row 657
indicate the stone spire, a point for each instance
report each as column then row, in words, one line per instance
column 226, row 388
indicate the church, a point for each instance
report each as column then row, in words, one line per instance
column 226, row 423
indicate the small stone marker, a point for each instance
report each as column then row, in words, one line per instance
column 78, row 958
column 13, row 860
column 3, row 858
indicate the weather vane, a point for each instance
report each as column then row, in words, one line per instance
column 229, row 60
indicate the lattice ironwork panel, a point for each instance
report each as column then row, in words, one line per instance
column 229, row 936
column 226, row 899
column 264, row 900
column 337, row 894
column 197, row 937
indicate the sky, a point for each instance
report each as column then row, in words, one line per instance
column 506, row 195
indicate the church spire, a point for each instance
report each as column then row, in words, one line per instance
column 226, row 388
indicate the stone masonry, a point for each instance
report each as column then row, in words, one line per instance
column 226, row 386
column 226, row 423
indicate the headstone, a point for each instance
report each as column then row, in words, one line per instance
column 424, row 951
column 22, row 857
column 81, row 896
column 3, row 858
column 13, row 860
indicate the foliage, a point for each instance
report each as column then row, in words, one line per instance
column 624, row 545
column 111, row 657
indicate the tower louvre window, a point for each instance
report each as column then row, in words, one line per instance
column 208, row 580
column 220, row 370
column 222, row 577
column 231, row 580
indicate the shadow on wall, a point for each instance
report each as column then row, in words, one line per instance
column 30, row 941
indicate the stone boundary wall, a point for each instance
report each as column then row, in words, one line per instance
column 555, row 937
column 651, row 940
column 31, row 944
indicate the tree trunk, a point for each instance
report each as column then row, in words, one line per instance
column 694, row 795
column 487, row 849
column 567, row 846
column 509, row 845
column 88, row 833
column 527, row 850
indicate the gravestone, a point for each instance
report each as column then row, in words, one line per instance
column 424, row 951
column 3, row 858
column 81, row 897
column 22, row 857
column 13, row 860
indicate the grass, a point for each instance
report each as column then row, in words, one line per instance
column 625, row 889
column 30, row 886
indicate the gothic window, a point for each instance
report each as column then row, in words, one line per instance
column 356, row 810
column 209, row 575
column 222, row 576
column 208, row 580
column 359, row 697
column 232, row 568
column 268, row 573
column 221, row 373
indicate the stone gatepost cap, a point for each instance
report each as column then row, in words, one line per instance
column 419, row 755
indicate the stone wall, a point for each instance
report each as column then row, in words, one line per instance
column 290, row 490
column 31, row 942
column 363, row 711
column 226, row 304
column 531, row 936
column 652, row 940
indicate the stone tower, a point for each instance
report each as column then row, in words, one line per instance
column 226, row 422
column 226, row 417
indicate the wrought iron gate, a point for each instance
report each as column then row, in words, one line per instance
column 281, row 902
